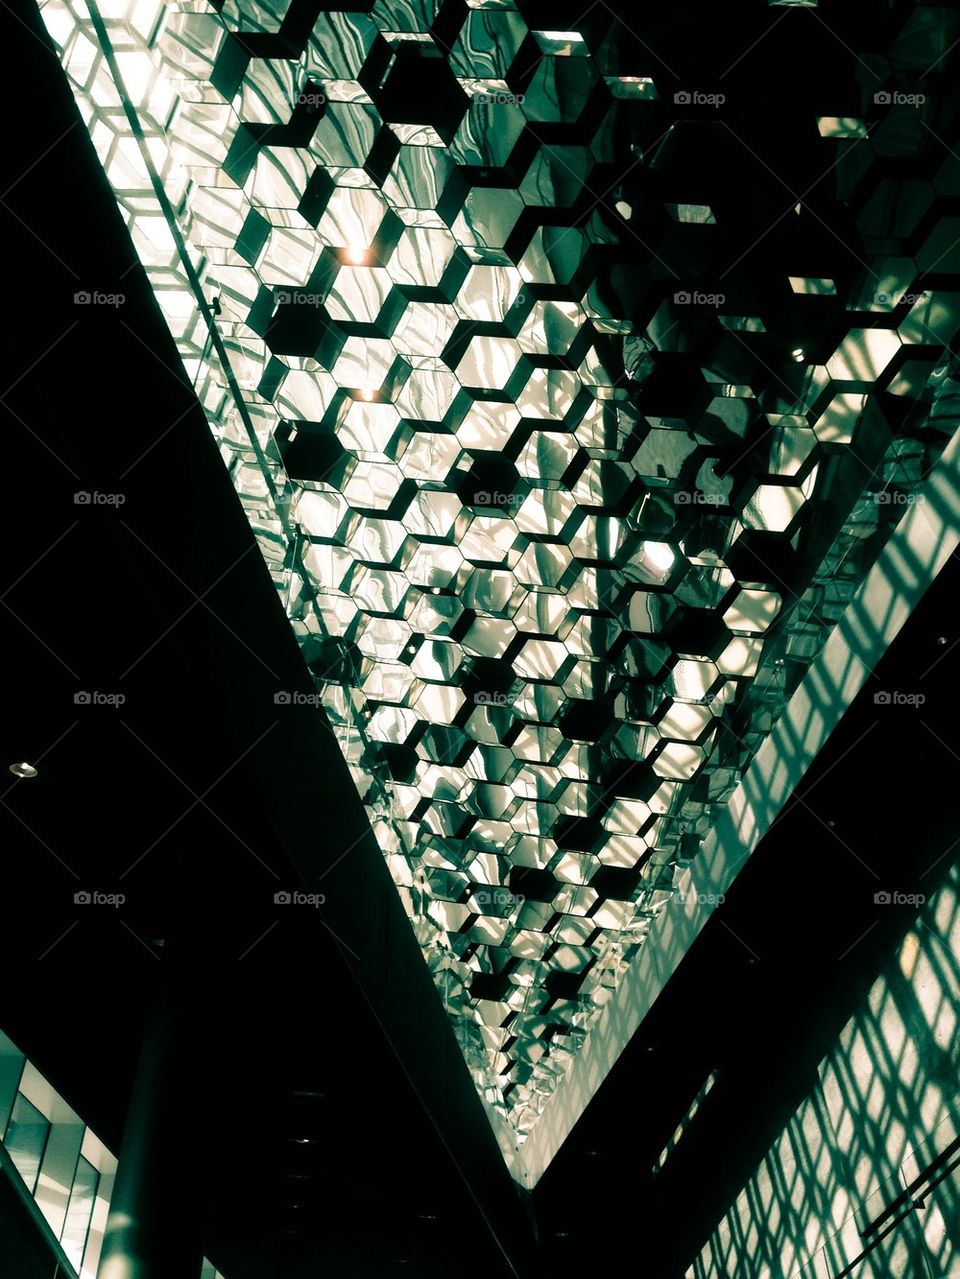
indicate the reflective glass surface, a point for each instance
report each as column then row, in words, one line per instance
column 26, row 1139
column 536, row 567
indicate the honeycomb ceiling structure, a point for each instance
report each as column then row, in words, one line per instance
column 561, row 495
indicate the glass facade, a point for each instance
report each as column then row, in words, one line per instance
column 66, row 1169
column 79, row 1211
column 26, row 1139
column 864, row 1180
column 550, row 630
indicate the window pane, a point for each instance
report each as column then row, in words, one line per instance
column 26, row 1138
column 79, row 1210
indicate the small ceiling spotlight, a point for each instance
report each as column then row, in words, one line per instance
column 356, row 255
column 23, row 769
column 625, row 210
column 798, row 355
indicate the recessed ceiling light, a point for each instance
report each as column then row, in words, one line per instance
column 23, row 769
column 356, row 255
column 797, row 354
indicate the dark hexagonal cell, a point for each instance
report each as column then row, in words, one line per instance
column 401, row 760
column 532, row 884
column 698, row 632
column 491, row 986
column 487, row 676
column 631, row 779
column 586, row 721
column 564, row 985
column 303, row 329
column 311, row 451
column 675, row 388
column 619, row 883
column 420, row 88
column 492, row 481
column 767, row 558
column 581, row 833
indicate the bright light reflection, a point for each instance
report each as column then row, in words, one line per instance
column 660, row 555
